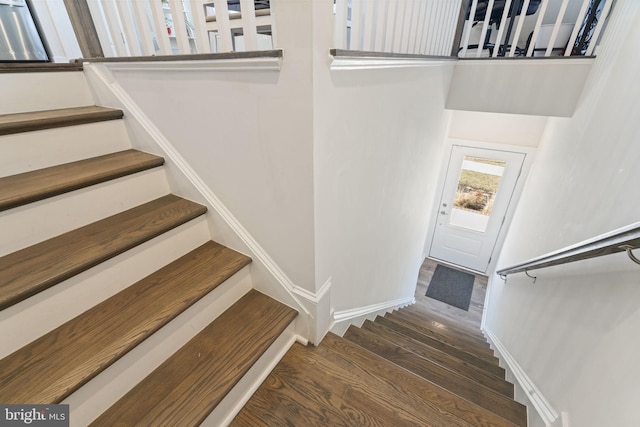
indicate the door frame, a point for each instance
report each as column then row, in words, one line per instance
column 529, row 153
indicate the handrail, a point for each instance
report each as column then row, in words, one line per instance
column 624, row 239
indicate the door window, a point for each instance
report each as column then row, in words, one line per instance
column 478, row 184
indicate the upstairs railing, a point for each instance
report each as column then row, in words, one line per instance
column 460, row 28
column 625, row 239
column 425, row 27
column 471, row 28
column 127, row 28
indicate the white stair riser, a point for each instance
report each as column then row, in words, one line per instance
column 27, row 151
column 32, row 223
column 104, row 390
column 22, row 92
column 233, row 402
column 24, row 322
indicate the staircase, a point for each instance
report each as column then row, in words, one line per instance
column 407, row 368
column 113, row 298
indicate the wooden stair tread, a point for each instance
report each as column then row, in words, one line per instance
column 443, row 359
column 363, row 364
column 30, row 270
column 52, row 367
column 479, row 349
column 443, row 318
column 187, row 386
column 314, row 388
column 460, row 354
column 441, row 327
column 28, row 187
column 48, row 119
column 483, row 396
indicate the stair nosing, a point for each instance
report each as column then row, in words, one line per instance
column 28, row 121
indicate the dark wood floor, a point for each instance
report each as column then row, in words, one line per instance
column 469, row 319
column 423, row 365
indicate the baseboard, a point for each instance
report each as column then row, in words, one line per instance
column 106, row 89
column 356, row 316
column 542, row 406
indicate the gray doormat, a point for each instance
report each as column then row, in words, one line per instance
column 451, row 286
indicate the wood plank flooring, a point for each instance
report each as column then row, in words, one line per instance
column 470, row 320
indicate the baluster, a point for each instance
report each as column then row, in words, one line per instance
column 370, row 18
column 556, row 27
column 249, row 27
column 160, row 24
column 521, row 20
column 406, row 30
column 536, row 30
column 392, row 10
column 341, row 24
column 576, row 28
column 129, row 28
column 422, row 27
column 224, row 27
column 113, row 25
column 381, row 25
column 467, row 29
column 142, row 21
column 485, row 27
column 95, row 7
column 503, row 24
column 599, row 26
column 200, row 26
column 357, row 24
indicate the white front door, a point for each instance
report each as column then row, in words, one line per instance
column 477, row 191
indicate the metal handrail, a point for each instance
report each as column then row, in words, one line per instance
column 624, row 239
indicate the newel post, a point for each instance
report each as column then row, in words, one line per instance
column 84, row 28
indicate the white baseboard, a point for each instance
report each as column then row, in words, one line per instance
column 542, row 406
column 356, row 316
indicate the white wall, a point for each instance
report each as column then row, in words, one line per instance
column 510, row 129
column 379, row 135
column 540, row 87
column 574, row 331
column 248, row 135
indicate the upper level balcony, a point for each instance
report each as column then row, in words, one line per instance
column 512, row 56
